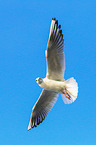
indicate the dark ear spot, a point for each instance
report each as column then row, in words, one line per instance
column 40, row 80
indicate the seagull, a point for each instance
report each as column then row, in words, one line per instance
column 54, row 82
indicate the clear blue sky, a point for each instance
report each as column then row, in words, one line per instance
column 24, row 30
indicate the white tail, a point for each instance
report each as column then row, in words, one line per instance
column 71, row 87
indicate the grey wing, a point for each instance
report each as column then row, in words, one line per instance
column 55, row 53
column 43, row 105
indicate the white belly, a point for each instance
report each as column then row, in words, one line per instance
column 52, row 85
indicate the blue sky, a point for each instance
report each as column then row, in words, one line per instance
column 24, row 30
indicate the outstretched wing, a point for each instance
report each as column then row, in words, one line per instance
column 55, row 52
column 43, row 105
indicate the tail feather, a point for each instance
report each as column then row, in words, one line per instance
column 72, row 90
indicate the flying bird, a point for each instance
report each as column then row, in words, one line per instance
column 54, row 82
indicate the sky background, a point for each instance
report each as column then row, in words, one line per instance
column 24, row 30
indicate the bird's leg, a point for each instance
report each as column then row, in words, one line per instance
column 66, row 94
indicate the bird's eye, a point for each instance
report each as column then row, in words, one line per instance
column 36, row 80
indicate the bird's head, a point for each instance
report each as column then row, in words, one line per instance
column 39, row 80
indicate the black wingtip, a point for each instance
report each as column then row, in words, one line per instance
column 53, row 18
column 60, row 31
column 56, row 22
column 59, row 26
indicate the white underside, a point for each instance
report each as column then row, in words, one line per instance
column 70, row 85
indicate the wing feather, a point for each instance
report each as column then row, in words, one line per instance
column 43, row 105
column 55, row 53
